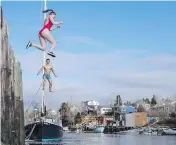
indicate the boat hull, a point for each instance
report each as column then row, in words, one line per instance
column 169, row 132
column 99, row 129
column 44, row 132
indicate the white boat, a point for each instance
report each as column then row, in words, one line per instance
column 168, row 132
column 78, row 130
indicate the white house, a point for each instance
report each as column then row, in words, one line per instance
column 105, row 110
column 91, row 105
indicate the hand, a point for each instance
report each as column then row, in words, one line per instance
column 61, row 22
column 55, row 76
column 37, row 74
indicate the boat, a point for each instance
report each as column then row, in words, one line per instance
column 66, row 129
column 78, row 130
column 99, row 129
column 148, row 131
column 168, row 132
column 43, row 131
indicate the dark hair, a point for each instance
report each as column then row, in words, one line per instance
column 52, row 13
column 47, row 59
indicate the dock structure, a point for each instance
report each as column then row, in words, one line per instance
column 12, row 115
column 115, row 129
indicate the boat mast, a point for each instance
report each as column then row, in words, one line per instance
column 44, row 59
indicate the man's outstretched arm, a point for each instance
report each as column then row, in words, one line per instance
column 40, row 70
column 54, row 72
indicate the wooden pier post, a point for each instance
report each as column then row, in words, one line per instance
column 12, row 117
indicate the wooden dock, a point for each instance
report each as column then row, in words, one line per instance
column 115, row 129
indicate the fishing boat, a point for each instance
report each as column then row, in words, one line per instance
column 43, row 131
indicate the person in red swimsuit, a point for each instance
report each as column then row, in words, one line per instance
column 44, row 34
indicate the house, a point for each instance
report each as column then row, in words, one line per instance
column 162, row 110
column 104, row 110
column 90, row 106
column 127, row 109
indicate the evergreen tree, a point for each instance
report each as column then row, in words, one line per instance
column 153, row 101
column 65, row 113
column 147, row 100
column 78, row 118
column 173, row 115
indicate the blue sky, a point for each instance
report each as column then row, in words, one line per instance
column 105, row 49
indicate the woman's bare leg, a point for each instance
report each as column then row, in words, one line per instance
column 42, row 45
column 42, row 42
column 46, row 34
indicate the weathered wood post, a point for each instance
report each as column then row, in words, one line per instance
column 12, row 116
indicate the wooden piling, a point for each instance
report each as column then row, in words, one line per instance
column 12, row 116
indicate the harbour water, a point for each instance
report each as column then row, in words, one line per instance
column 115, row 139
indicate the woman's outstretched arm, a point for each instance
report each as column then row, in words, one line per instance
column 55, row 23
column 54, row 28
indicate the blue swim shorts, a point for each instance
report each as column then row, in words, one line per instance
column 46, row 76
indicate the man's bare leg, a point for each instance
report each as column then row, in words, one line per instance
column 44, row 81
column 50, row 85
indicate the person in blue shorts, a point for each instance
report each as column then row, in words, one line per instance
column 46, row 76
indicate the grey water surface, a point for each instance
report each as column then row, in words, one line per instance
column 115, row 139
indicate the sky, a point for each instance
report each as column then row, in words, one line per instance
column 104, row 49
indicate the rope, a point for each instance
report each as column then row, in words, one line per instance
column 33, row 98
column 29, row 135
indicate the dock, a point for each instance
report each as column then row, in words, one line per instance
column 115, row 129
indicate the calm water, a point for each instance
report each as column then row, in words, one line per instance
column 110, row 139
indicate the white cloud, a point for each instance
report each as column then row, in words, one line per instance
column 100, row 76
column 161, row 62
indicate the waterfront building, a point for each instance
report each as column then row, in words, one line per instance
column 163, row 110
column 90, row 106
column 136, row 119
column 127, row 109
column 103, row 110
